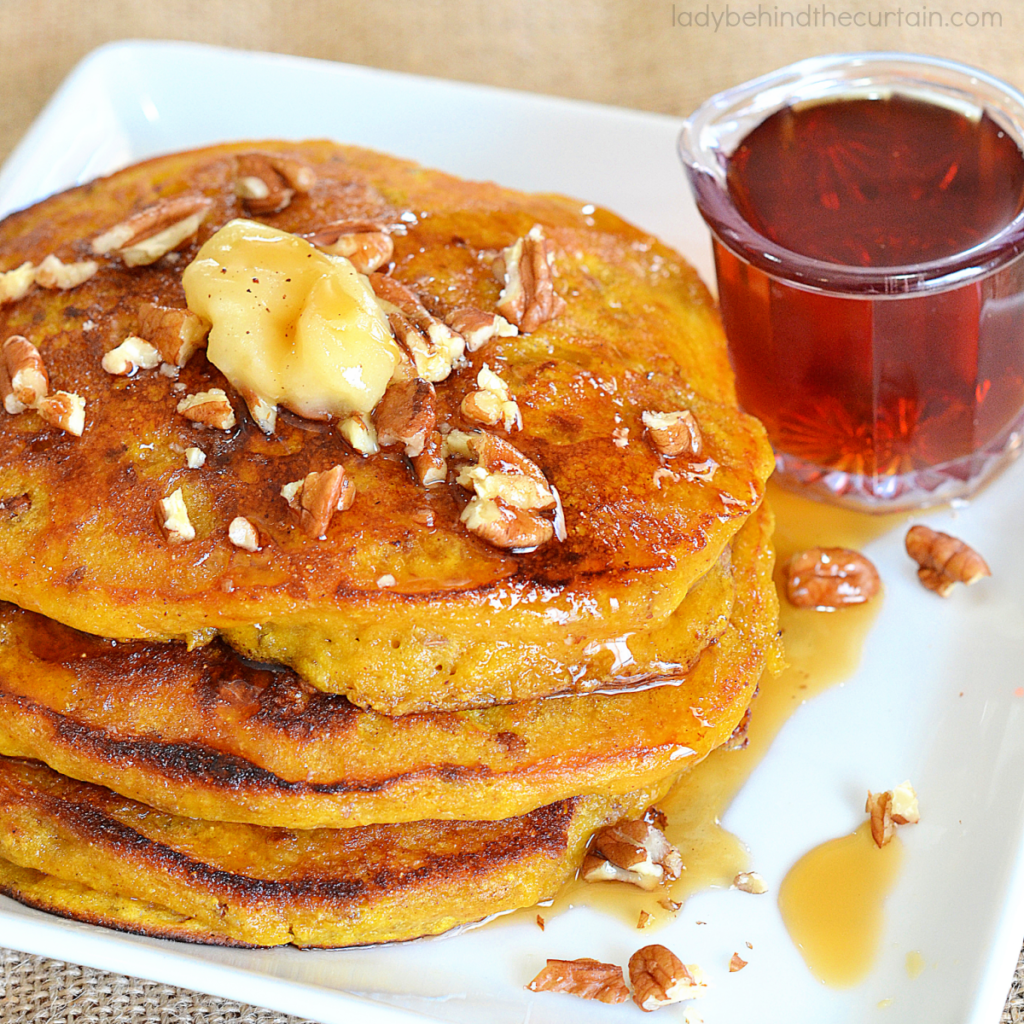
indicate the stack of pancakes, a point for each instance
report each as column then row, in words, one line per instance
column 396, row 727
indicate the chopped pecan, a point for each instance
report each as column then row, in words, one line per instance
column 477, row 327
column 433, row 345
column 632, row 851
column 492, row 403
column 26, row 381
column 944, row 560
column 736, row 963
column 620, row 437
column 262, row 410
column 243, row 534
column 365, row 244
column 53, row 273
column 897, row 806
column 360, row 433
column 318, row 496
column 176, row 333
column 209, row 408
column 430, row 465
column 14, row 284
column 830, row 578
column 172, row 514
column 195, row 458
column 674, row 433
column 659, row 977
column 64, row 410
column 879, row 806
column 750, row 881
column 132, row 355
column 502, row 471
column 528, row 298
column 266, row 183
column 405, row 415
column 586, row 978
column 154, row 231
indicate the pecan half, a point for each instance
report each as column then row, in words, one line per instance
column 177, row 333
column 318, row 496
column 659, row 978
column 944, row 560
column 631, row 851
column 26, row 380
column 14, row 284
column 155, row 230
column 132, row 355
column 53, row 273
column 674, row 433
column 585, row 978
column 405, row 415
column 528, row 298
column 830, row 578
column 266, row 183
column 209, row 408
column 433, row 345
column 478, row 327
column 365, row 244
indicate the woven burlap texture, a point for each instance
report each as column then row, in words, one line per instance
column 35, row 990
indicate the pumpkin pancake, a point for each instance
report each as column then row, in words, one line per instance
column 203, row 734
column 397, row 605
column 81, row 851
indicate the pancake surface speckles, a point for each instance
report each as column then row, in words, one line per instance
column 78, row 536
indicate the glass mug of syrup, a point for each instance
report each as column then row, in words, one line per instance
column 867, row 216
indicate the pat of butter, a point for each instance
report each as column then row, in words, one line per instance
column 292, row 325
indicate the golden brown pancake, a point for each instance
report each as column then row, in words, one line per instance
column 466, row 624
column 201, row 733
column 81, row 851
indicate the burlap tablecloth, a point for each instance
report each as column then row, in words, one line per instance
column 636, row 53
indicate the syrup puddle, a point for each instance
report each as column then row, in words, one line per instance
column 821, row 649
column 832, row 904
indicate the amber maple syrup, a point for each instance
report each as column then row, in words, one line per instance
column 877, row 385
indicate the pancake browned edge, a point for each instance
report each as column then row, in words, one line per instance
column 79, row 537
column 81, row 851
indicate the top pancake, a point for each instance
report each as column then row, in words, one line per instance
column 466, row 624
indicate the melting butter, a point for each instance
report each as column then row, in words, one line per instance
column 292, row 326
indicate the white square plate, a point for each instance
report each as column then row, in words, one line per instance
column 960, row 896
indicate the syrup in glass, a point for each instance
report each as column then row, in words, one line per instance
column 888, row 394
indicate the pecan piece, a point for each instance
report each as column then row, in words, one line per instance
column 132, row 355
column 25, row 381
column 944, row 560
column 176, row 333
column 318, row 496
column 266, row 183
column 736, row 963
column 433, row 345
column 155, row 230
column 506, row 526
column 659, row 977
column 830, row 578
column 430, row 465
column 365, row 244
column 405, row 415
column 14, row 284
column 243, row 534
column 493, row 403
column 172, row 514
column 64, row 410
column 633, row 851
column 208, row 408
column 585, row 978
column 897, row 806
column 674, row 433
column 477, row 327
column 53, row 273
column 360, row 433
column 528, row 297
column 750, row 881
